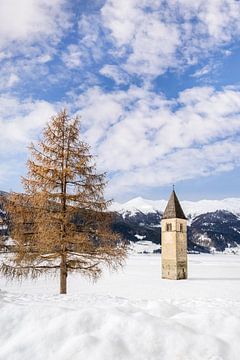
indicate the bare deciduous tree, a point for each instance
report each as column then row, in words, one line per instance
column 61, row 221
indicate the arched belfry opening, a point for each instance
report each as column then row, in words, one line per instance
column 174, row 240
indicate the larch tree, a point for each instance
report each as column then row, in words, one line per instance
column 61, row 222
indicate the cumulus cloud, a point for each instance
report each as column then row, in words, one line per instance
column 143, row 34
column 26, row 20
column 89, row 46
column 181, row 165
column 146, row 38
column 143, row 139
column 119, row 39
column 20, row 121
column 29, row 33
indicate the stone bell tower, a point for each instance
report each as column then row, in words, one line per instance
column 174, row 241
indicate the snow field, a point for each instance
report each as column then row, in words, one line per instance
column 105, row 328
column 129, row 315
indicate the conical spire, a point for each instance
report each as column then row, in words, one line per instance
column 173, row 209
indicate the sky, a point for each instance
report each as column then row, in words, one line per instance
column 156, row 83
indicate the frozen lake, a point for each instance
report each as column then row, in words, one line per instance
column 210, row 276
column 128, row 315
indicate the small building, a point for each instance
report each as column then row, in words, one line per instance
column 174, row 241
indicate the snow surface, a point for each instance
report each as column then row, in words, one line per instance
column 143, row 246
column 128, row 315
column 192, row 208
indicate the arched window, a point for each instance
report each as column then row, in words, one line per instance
column 169, row 227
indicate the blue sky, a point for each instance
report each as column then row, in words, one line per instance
column 157, row 85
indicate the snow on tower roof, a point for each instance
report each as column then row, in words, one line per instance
column 173, row 209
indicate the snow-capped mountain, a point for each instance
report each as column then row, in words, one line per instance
column 190, row 208
column 207, row 232
column 213, row 224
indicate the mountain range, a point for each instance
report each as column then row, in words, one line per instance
column 213, row 225
column 190, row 208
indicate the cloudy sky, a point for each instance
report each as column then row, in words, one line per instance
column 156, row 82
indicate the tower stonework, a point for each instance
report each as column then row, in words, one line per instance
column 174, row 241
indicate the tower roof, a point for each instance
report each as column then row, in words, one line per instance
column 173, row 209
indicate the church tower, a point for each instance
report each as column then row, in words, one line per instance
column 174, row 241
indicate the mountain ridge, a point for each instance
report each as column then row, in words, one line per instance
column 213, row 225
column 190, row 208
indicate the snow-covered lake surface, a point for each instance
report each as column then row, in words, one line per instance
column 130, row 314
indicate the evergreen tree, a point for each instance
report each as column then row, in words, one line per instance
column 61, row 221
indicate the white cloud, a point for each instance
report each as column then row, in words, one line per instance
column 116, row 73
column 227, row 52
column 100, row 111
column 144, row 140
column 8, row 79
column 73, row 57
column 26, row 20
column 181, row 165
column 20, row 121
column 203, row 71
column 144, row 32
column 44, row 58
column 149, row 37
column 141, row 138
column 12, row 80
column 152, row 54
column 29, row 33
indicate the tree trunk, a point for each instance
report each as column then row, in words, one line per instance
column 63, row 276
